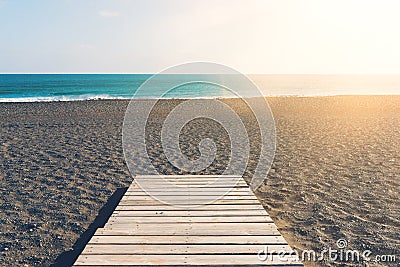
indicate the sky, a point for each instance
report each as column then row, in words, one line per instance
column 147, row 36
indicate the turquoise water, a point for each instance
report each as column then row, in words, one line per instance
column 70, row 87
column 66, row 87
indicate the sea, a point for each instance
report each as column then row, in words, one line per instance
column 79, row 87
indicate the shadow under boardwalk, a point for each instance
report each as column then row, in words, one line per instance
column 68, row 258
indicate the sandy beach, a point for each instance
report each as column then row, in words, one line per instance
column 336, row 173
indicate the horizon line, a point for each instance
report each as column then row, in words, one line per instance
column 147, row 73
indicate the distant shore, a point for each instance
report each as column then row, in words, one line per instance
column 336, row 173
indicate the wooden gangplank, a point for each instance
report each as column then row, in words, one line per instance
column 232, row 229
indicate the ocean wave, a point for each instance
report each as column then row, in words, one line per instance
column 61, row 98
column 91, row 97
column 109, row 97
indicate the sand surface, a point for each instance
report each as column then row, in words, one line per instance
column 336, row 172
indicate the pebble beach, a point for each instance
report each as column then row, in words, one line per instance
column 336, row 173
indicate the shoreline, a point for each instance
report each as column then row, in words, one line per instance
column 94, row 98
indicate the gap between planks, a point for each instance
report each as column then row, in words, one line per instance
column 227, row 231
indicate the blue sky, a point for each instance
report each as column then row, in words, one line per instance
column 146, row 36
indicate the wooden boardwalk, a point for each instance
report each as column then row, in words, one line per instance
column 229, row 231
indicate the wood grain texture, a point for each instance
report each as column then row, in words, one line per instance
column 222, row 224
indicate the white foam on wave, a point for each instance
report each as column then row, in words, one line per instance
column 89, row 97
column 109, row 97
column 60, row 98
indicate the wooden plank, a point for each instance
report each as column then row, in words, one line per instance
column 193, row 178
column 209, row 207
column 144, row 197
column 181, row 193
column 155, row 177
column 195, row 182
column 179, row 260
column 152, row 176
column 189, row 231
column 204, row 189
column 188, row 183
column 216, row 194
column 196, row 190
column 188, row 213
column 124, row 236
column 222, row 228
column 192, row 197
column 188, row 219
column 221, row 183
column 193, row 186
column 169, row 249
column 194, row 202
